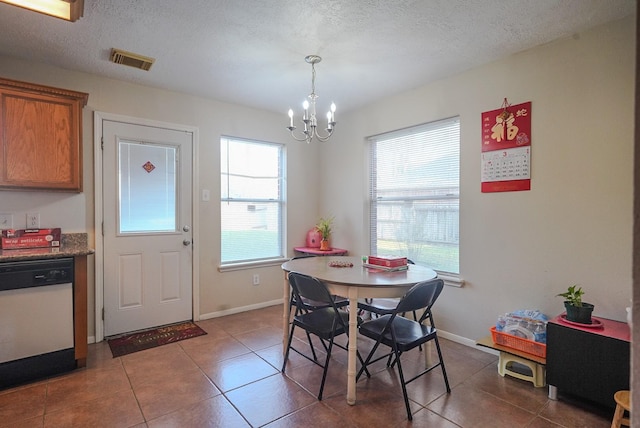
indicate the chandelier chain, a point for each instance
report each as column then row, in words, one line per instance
column 313, row 81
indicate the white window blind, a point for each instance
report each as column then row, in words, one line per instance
column 252, row 200
column 415, row 194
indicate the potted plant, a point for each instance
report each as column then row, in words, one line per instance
column 577, row 310
column 324, row 227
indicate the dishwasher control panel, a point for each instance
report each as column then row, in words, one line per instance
column 35, row 273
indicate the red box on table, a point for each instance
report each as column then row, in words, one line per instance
column 388, row 261
column 29, row 238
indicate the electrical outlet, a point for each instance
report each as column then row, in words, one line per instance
column 256, row 279
column 6, row 221
column 33, row 220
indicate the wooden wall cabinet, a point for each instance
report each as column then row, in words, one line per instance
column 40, row 137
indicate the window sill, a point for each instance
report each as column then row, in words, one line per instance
column 250, row 265
column 451, row 279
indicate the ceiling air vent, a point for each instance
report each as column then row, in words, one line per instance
column 131, row 59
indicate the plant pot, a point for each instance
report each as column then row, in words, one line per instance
column 324, row 245
column 579, row 314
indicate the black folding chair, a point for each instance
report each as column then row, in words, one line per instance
column 402, row 334
column 326, row 322
column 312, row 305
column 379, row 307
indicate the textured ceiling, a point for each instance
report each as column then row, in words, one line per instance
column 251, row 52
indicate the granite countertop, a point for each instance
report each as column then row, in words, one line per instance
column 71, row 245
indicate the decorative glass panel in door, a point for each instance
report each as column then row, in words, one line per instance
column 147, row 188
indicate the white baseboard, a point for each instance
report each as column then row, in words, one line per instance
column 455, row 338
column 92, row 339
column 240, row 309
column 444, row 334
column 441, row 333
column 464, row 341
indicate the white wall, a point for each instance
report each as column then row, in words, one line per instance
column 519, row 249
column 75, row 212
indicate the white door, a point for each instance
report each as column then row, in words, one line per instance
column 147, row 214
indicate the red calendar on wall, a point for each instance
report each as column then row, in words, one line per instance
column 506, row 148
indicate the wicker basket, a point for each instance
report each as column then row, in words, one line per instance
column 519, row 343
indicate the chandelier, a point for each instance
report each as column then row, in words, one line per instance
column 309, row 116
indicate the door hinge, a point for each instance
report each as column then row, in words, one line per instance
column 102, row 228
column 101, row 143
column 102, row 314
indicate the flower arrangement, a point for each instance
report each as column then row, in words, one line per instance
column 324, row 226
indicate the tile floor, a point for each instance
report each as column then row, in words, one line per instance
column 231, row 378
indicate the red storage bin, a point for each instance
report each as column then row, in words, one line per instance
column 519, row 343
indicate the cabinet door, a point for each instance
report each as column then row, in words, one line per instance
column 40, row 141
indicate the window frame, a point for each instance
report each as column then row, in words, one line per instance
column 248, row 262
column 375, row 200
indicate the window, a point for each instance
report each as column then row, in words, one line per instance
column 252, row 200
column 415, row 194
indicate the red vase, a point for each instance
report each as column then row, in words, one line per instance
column 313, row 238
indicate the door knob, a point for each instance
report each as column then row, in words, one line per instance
column 185, row 228
column 186, row 242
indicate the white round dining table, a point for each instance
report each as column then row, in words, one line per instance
column 352, row 280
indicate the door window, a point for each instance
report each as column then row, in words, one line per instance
column 147, row 186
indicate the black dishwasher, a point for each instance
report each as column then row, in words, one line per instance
column 36, row 320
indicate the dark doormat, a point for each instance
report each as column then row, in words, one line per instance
column 147, row 339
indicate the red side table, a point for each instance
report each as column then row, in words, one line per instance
column 319, row 252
